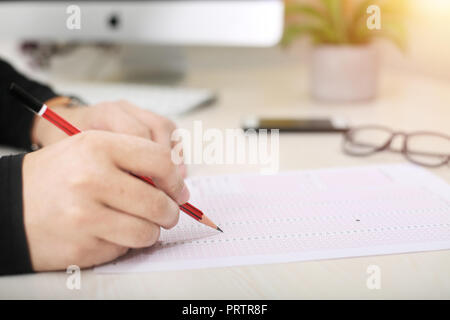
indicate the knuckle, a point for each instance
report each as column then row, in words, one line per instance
column 156, row 232
column 90, row 181
column 146, row 235
column 167, row 124
column 174, row 216
column 111, row 105
column 102, row 107
column 169, row 172
column 118, row 104
column 165, row 211
column 87, row 179
column 160, row 204
column 110, row 108
column 141, row 131
column 166, row 163
column 167, row 154
column 80, row 180
column 176, row 187
column 121, row 102
column 90, row 141
column 78, row 217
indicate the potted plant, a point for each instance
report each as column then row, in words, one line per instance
column 344, row 64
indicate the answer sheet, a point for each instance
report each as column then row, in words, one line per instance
column 306, row 215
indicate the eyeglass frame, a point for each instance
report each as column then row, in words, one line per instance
column 388, row 144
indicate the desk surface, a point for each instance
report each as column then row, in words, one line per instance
column 406, row 102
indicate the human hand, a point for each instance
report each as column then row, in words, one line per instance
column 83, row 207
column 120, row 117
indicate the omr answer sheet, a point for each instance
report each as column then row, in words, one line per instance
column 306, row 215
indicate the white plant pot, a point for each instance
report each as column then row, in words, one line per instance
column 344, row 73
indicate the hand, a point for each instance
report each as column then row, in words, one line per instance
column 83, row 207
column 120, row 117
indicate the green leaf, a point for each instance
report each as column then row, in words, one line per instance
column 337, row 19
column 318, row 33
column 293, row 32
column 335, row 24
column 298, row 9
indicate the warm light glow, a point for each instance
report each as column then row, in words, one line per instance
column 432, row 8
column 429, row 31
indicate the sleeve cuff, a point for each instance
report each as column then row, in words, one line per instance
column 15, row 121
column 14, row 253
column 24, row 140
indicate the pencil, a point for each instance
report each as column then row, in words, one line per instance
column 39, row 108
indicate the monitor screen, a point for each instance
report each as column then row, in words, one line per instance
column 172, row 22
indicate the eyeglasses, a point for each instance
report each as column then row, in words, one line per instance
column 429, row 149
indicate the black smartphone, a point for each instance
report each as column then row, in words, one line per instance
column 296, row 125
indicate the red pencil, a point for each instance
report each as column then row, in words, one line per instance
column 39, row 108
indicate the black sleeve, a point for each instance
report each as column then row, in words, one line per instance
column 14, row 254
column 16, row 121
column 15, row 127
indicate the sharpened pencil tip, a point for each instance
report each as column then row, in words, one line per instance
column 219, row 229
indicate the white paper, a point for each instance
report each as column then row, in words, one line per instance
column 298, row 216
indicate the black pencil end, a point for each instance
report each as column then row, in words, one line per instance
column 219, row 229
column 30, row 102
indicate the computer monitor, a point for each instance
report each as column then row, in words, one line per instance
column 167, row 22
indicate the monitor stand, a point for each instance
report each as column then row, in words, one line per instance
column 124, row 63
column 159, row 64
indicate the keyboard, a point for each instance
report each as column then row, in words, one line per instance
column 164, row 100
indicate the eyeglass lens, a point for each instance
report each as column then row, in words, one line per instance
column 426, row 149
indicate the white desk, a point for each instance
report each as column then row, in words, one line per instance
column 406, row 102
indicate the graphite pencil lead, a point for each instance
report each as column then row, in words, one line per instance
column 219, row 229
